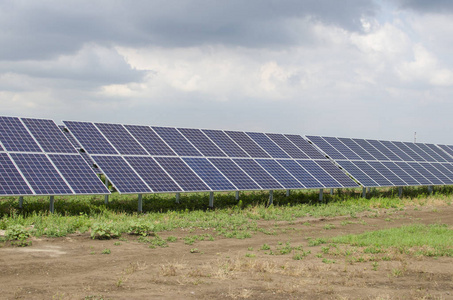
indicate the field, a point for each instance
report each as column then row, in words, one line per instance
column 347, row 247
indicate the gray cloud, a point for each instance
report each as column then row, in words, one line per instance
column 423, row 6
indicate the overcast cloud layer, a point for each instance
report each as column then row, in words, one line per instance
column 353, row 68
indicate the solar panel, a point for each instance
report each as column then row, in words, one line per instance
column 78, row 174
column 375, row 175
column 319, row 173
column 258, row 174
column 11, row 182
column 388, row 174
column 307, row 180
column 210, row 175
column 156, row 178
column 336, row 173
column 41, row 174
column 287, row 145
column 240, row 179
column 182, row 174
column 439, row 152
column 118, row 136
column 435, row 157
column 224, row 142
column 392, row 147
column 90, row 137
column 49, row 137
column 428, row 175
column 445, row 170
column 392, row 166
column 384, row 150
column 357, row 173
column 370, row 149
column 15, row 137
column 202, row 142
column 447, row 149
column 267, row 144
column 77, row 146
column 449, row 167
column 340, row 147
column 280, row 174
column 150, row 140
column 436, row 173
column 176, row 141
column 1, row 148
column 414, row 147
column 246, row 143
column 413, row 173
column 357, row 149
column 326, row 147
column 408, row 151
column 305, row 146
column 121, row 175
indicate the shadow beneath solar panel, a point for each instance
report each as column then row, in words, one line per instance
column 76, row 205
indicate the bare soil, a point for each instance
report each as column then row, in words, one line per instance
column 74, row 267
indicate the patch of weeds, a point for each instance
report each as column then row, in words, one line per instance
column 329, row 226
column 172, row 239
column 140, row 228
column 300, row 255
column 116, row 243
column 194, row 250
column 325, row 250
column 106, row 251
column 316, row 242
column 265, row 247
column 250, row 255
column 250, row 248
column 319, row 255
column 18, row 235
column 104, row 231
column 375, row 265
column 328, row 261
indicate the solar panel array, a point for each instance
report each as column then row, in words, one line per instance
column 37, row 159
column 376, row 163
column 151, row 159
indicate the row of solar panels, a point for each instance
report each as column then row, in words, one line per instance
column 39, row 158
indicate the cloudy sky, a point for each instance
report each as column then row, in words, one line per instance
column 351, row 68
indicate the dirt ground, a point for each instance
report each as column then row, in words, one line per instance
column 75, row 267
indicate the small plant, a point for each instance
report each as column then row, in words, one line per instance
column 116, row 243
column 329, row 226
column 316, row 242
column 328, row 261
column 140, row 228
column 325, row 249
column 106, row 251
column 194, row 250
column 375, row 265
column 265, row 247
column 250, row 255
column 18, row 235
column 104, row 231
column 250, row 248
column 172, row 239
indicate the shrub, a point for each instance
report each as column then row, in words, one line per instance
column 104, row 231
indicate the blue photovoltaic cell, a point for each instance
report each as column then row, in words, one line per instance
column 153, row 174
column 77, row 146
column 370, row 149
column 326, row 147
column 49, row 136
column 240, row 179
column 392, row 147
column 254, row 170
column 413, row 173
column 182, row 174
column 357, row 173
column 408, row 151
column 246, row 143
column 392, row 166
column 41, row 174
column 202, row 142
column 1, row 148
column 428, row 175
column 78, row 174
column 280, row 174
column 319, row 173
column 439, row 152
column 121, row 175
column 287, row 145
column 447, row 149
column 307, row 180
column 15, row 136
column 340, row 147
column 11, row 182
column 442, row 168
column 267, row 144
column 90, row 137
column 176, row 141
column 336, row 173
column 305, row 146
column 357, row 149
column 449, row 167
column 438, row 174
column 384, row 150
column 224, row 142
column 210, row 175
column 414, row 147
column 382, row 169
column 123, row 142
column 370, row 171
column 435, row 157
column 150, row 140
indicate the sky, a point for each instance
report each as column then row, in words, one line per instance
column 378, row 69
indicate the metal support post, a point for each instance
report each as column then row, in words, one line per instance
column 106, row 197
column 368, row 190
column 21, row 201
column 140, row 203
column 237, row 195
column 51, row 206
column 321, row 192
column 430, row 189
column 178, row 196
column 364, row 192
column 211, row 199
column 400, row 191
column 331, row 191
column 288, row 192
column 271, row 197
